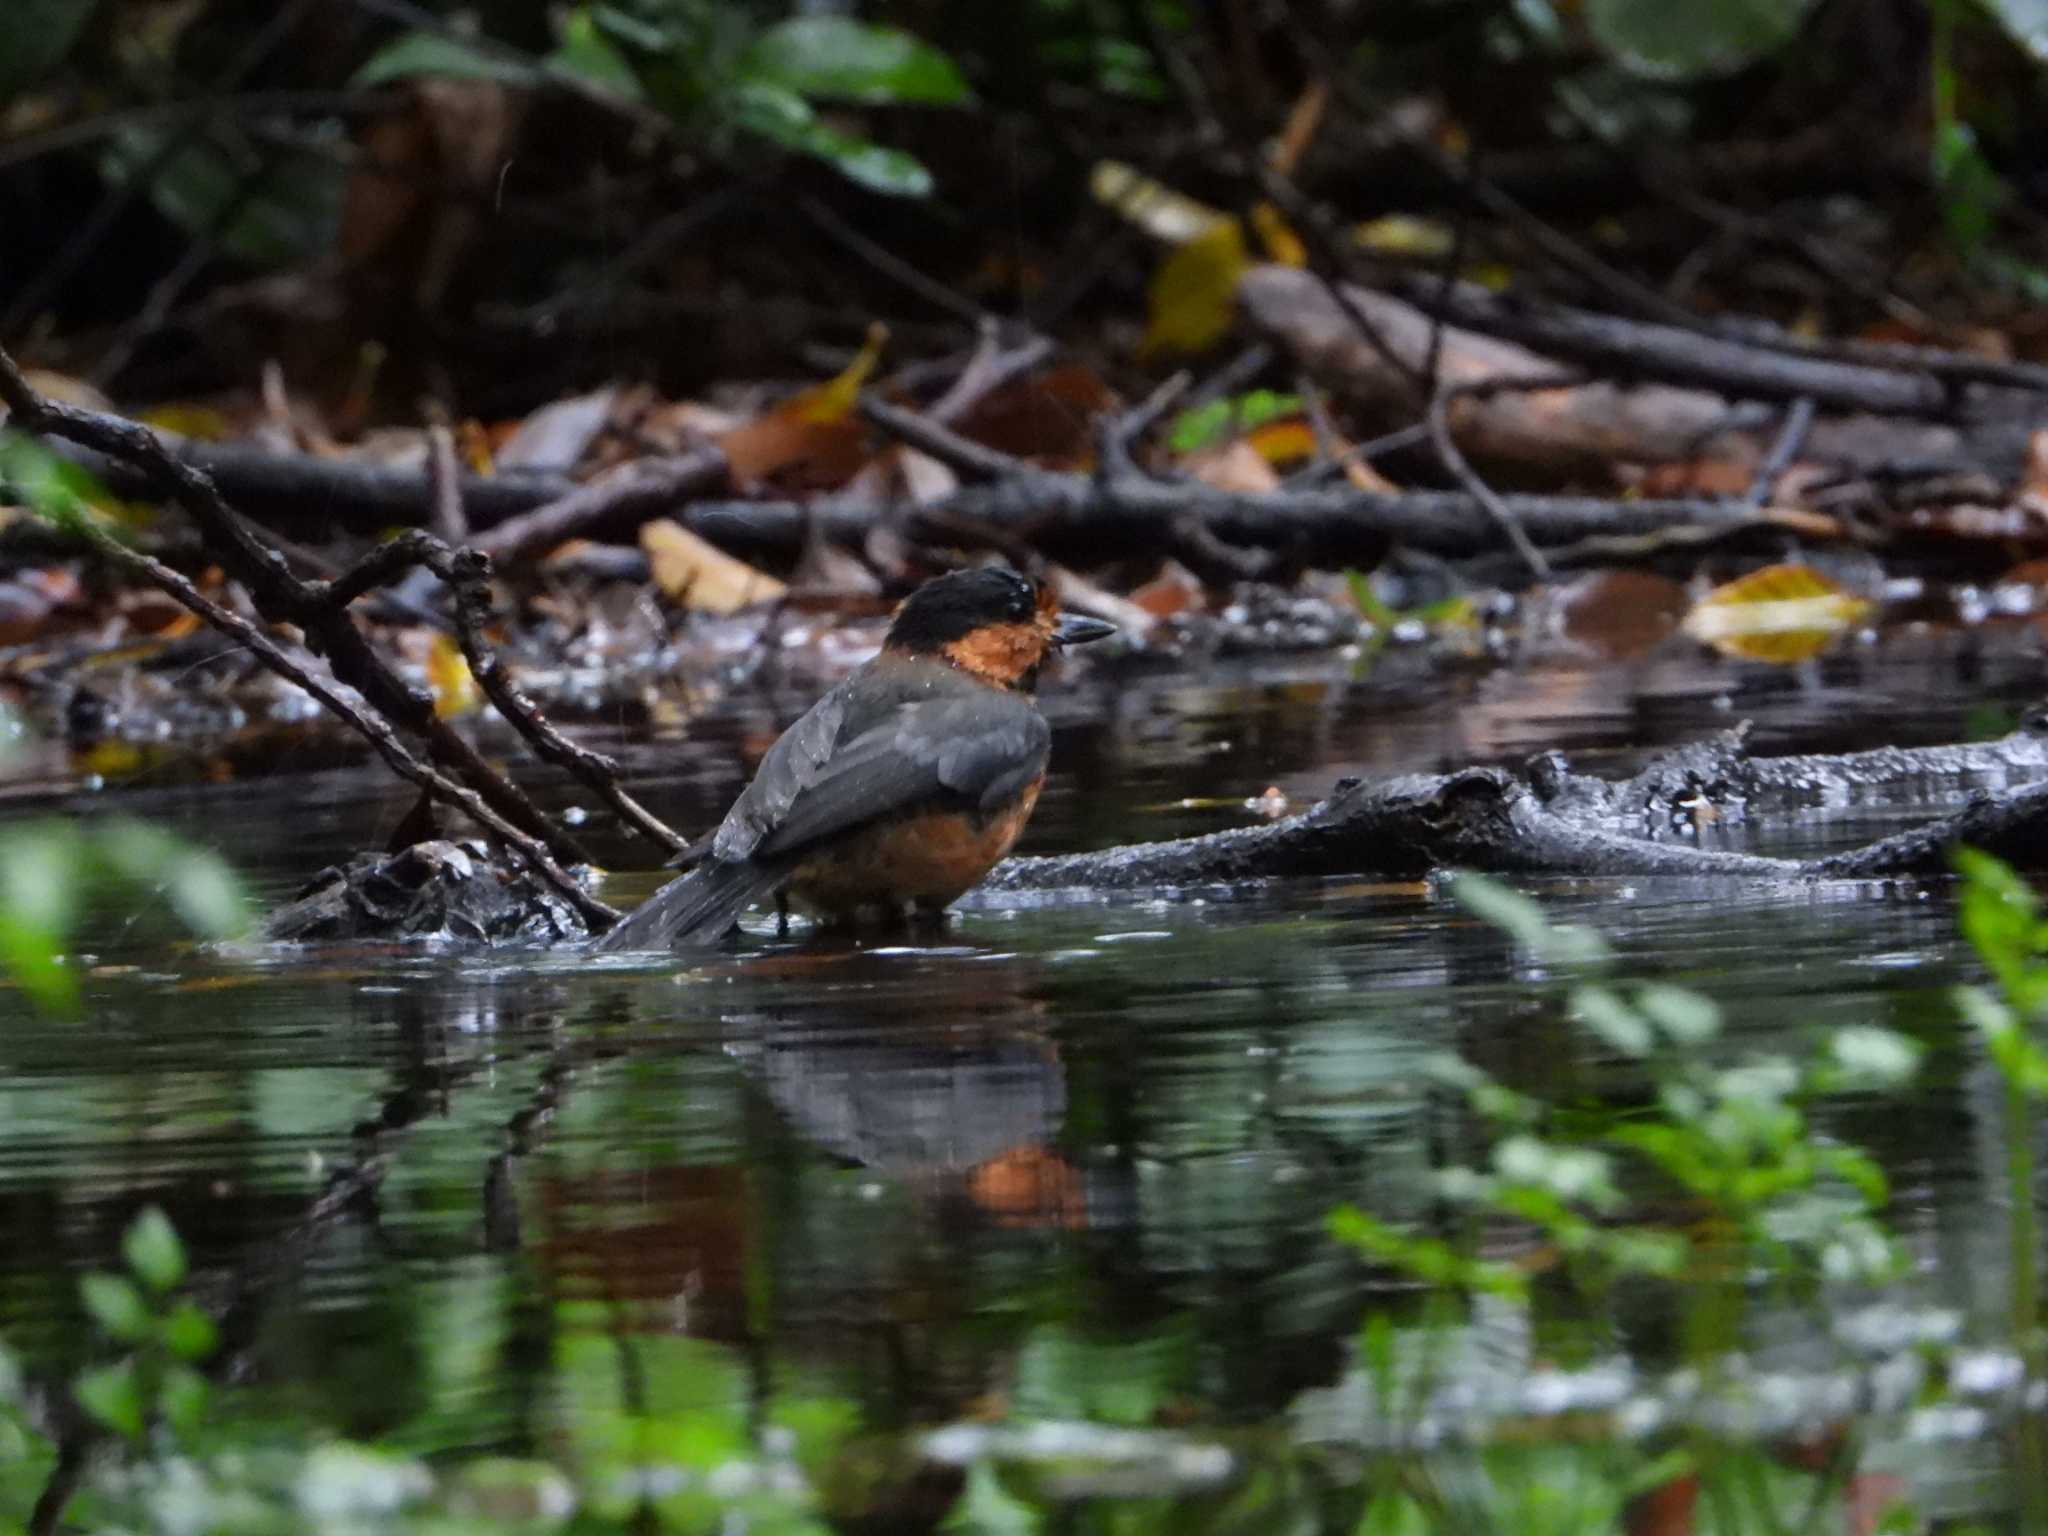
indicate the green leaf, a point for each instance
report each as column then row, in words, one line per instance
column 263, row 207
column 586, row 52
column 1207, row 425
column 1523, row 921
column 182, row 1398
column 1972, row 193
column 117, row 1307
column 189, row 1333
column 1426, row 1258
column 1685, row 1017
column 154, row 1253
column 842, row 59
column 785, row 118
column 199, row 886
column 433, row 53
column 42, row 875
column 34, row 958
column 53, row 488
column 986, row 1508
column 113, row 1397
column 35, row 35
column 1686, row 39
column 1620, row 1026
column 1866, row 1057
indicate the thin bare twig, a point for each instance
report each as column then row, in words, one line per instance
column 468, row 575
column 645, row 488
column 890, row 265
column 947, row 446
column 283, row 597
column 1454, row 460
column 1791, row 436
column 450, row 522
column 370, row 726
column 1116, row 437
column 988, row 371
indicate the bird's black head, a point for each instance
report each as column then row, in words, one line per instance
column 953, row 606
column 990, row 622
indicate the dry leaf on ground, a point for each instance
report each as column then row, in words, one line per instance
column 701, row 576
column 1781, row 614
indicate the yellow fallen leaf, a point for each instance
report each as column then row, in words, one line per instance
column 1405, row 234
column 1283, row 245
column 196, row 421
column 1193, row 295
column 448, row 675
column 835, row 399
column 701, row 576
column 473, row 442
column 1286, row 441
column 1782, row 614
column 1154, row 207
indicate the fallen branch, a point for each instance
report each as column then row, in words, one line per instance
column 1089, row 521
column 314, row 607
column 1487, row 819
column 1645, row 349
column 1667, row 396
column 632, row 494
column 371, row 727
column 467, row 573
column 307, row 492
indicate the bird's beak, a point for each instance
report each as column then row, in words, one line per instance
column 1078, row 629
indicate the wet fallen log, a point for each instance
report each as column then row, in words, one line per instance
column 1067, row 516
column 1654, row 393
column 1551, row 822
column 1490, row 820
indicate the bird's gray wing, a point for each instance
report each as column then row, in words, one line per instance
column 970, row 754
column 791, row 767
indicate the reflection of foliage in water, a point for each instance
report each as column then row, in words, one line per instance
column 1700, row 1195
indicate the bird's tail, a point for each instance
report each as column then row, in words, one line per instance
column 698, row 908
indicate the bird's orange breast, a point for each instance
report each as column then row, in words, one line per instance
column 925, row 859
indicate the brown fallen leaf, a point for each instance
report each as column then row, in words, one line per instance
column 1286, row 441
column 1174, row 590
column 701, row 576
column 1622, row 614
column 1781, row 614
column 1045, row 418
column 813, row 439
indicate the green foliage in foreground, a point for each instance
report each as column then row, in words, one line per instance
column 50, row 870
column 1710, row 1184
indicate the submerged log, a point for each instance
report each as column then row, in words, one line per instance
column 1558, row 823
column 1549, row 821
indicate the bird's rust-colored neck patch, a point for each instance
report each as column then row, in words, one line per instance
column 1007, row 655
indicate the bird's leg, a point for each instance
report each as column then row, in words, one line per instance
column 782, row 914
column 929, row 918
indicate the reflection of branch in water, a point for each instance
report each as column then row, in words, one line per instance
column 522, row 1131
column 244, row 1294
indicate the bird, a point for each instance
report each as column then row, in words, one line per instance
column 902, row 786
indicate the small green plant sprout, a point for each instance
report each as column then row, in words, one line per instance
column 165, row 1337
